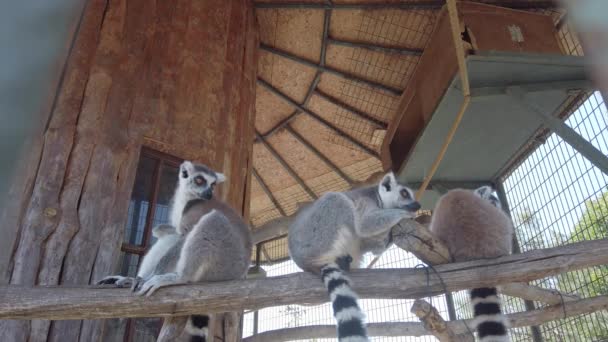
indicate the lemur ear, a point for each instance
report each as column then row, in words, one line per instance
column 185, row 170
column 219, row 177
column 484, row 191
column 388, row 182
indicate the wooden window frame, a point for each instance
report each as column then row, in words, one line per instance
column 140, row 250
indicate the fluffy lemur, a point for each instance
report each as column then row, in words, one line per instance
column 473, row 226
column 331, row 234
column 211, row 242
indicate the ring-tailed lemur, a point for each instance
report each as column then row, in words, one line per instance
column 211, row 242
column 473, row 226
column 332, row 233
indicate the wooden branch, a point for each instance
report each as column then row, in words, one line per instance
column 418, row 240
column 172, row 328
column 535, row 293
column 60, row 303
column 434, row 323
column 397, row 329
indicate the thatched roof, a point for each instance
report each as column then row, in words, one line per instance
column 330, row 75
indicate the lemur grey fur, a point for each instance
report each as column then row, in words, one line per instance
column 473, row 226
column 211, row 242
column 331, row 234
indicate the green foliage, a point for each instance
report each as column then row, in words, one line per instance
column 591, row 282
column 593, row 224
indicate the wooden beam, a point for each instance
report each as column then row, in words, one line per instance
column 268, row 192
column 409, row 5
column 537, row 294
column 375, row 47
column 320, row 155
column 286, row 166
column 317, row 117
column 60, row 303
column 360, row 114
column 330, row 70
column 397, row 329
column 418, row 240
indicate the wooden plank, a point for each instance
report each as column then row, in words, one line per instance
column 17, row 302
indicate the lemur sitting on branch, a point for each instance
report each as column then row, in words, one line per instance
column 473, row 226
column 331, row 234
column 211, row 242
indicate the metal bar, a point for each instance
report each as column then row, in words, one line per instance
column 351, row 109
column 374, row 47
column 569, row 135
column 480, row 92
column 449, row 300
column 419, row 5
column 537, row 335
column 268, row 192
column 391, row 90
column 317, row 117
column 326, row 22
column 320, row 155
column 286, row 166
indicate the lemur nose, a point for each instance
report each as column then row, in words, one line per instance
column 414, row 206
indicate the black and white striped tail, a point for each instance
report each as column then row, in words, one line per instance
column 198, row 328
column 490, row 323
column 348, row 315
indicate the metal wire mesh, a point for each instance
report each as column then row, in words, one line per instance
column 376, row 310
column 392, row 28
column 556, row 196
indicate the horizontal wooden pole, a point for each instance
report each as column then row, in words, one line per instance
column 56, row 303
column 395, row 329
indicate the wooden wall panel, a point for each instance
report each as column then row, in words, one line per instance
column 178, row 77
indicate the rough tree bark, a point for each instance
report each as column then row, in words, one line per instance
column 177, row 77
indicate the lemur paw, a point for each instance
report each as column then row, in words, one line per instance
column 156, row 282
column 119, row 281
column 137, row 283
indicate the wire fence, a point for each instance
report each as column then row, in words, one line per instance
column 376, row 310
column 556, row 197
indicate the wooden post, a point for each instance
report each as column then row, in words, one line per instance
column 176, row 77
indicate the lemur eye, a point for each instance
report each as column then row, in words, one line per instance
column 199, row 180
column 405, row 194
column 184, row 174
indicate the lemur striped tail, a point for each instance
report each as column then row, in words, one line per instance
column 490, row 323
column 348, row 315
column 198, row 328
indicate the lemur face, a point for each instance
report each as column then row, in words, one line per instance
column 199, row 180
column 397, row 196
column 487, row 193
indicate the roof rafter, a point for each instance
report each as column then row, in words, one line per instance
column 375, row 47
column 318, row 118
column 320, row 155
column 268, row 192
column 286, row 166
column 418, row 5
column 360, row 114
column 323, row 68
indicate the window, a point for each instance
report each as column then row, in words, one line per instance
column 153, row 188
